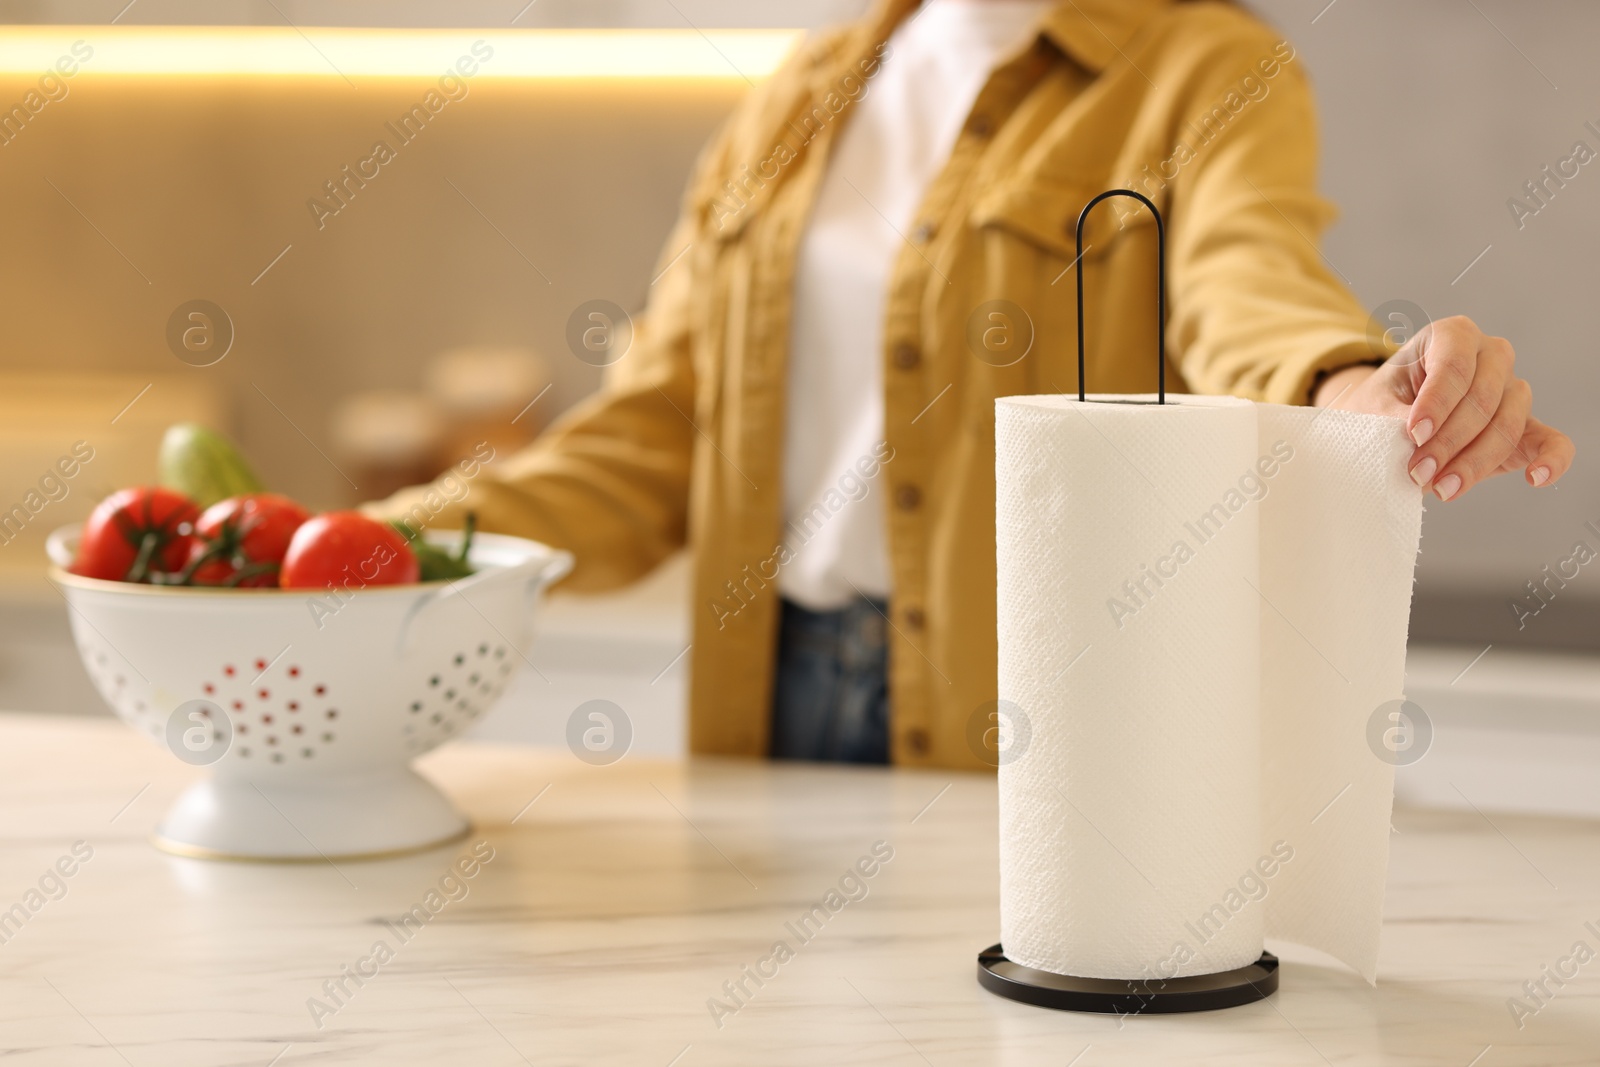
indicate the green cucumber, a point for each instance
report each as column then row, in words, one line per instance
column 203, row 465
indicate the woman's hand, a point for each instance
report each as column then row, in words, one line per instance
column 1468, row 413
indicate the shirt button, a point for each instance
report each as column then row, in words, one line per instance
column 915, row 618
column 924, row 233
column 908, row 497
column 906, row 355
column 917, row 741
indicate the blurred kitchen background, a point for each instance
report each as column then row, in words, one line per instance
column 435, row 303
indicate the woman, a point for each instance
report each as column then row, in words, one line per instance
column 870, row 255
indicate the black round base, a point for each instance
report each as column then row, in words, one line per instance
column 1137, row 996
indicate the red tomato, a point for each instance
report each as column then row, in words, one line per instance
column 246, row 534
column 134, row 533
column 345, row 548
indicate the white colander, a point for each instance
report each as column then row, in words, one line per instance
column 309, row 708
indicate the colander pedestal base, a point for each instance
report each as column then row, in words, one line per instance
column 359, row 814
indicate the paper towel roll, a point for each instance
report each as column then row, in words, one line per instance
column 1195, row 662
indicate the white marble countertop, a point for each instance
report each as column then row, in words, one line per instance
column 622, row 898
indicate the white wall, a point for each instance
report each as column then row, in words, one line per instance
column 1432, row 118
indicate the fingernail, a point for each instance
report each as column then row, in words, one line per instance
column 1424, row 470
column 1422, row 431
column 1540, row 475
column 1448, row 486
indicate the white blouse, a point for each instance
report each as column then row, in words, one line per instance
column 896, row 139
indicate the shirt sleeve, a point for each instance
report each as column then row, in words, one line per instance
column 1257, row 310
column 609, row 480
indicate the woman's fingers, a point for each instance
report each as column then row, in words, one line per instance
column 1475, row 411
column 1500, row 442
column 1466, row 410
column 1550, row 454
column 1442, row 365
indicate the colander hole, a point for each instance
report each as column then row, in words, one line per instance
column 296, row 728
column 449, row 694
column 244, row 753
column 416, row 706
column 434, row 680
column 243, row 729
column 436, row 718
column 294, row 672
column 262, row 693
column 327, row 737
column 277, row 757
column 294, row 705
column 333, row 713
column 483, row 650
column 261, row 664
column 306, row 752
column 209, row 688
column 238, row 705
column 272, row 739
column 460, row 659
column 500, row 652
column 320, row 690
column 473, row 677
column 228, row 670
column 266, row 720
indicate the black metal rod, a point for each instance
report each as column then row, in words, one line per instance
column 1161, row 289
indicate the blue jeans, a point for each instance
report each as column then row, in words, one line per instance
column 830, row 699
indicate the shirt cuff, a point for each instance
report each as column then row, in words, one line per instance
column 1294, row 382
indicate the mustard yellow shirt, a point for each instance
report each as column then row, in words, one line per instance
column 1197, row 105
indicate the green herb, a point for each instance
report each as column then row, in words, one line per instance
column 436, row 564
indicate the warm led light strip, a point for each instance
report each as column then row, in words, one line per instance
column 315, row 51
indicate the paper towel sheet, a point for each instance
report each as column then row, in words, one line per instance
column 1201, row 605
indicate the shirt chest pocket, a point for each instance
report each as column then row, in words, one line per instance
column 1026, row 230
column 1044, row 214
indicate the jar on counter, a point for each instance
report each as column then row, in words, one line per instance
column 488, row 394
column 388, row 439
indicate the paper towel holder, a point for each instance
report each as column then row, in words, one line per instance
column 1140, row 996
column 1161, row 290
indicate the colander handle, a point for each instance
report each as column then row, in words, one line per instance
column 537, row 574
column 557, row 567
